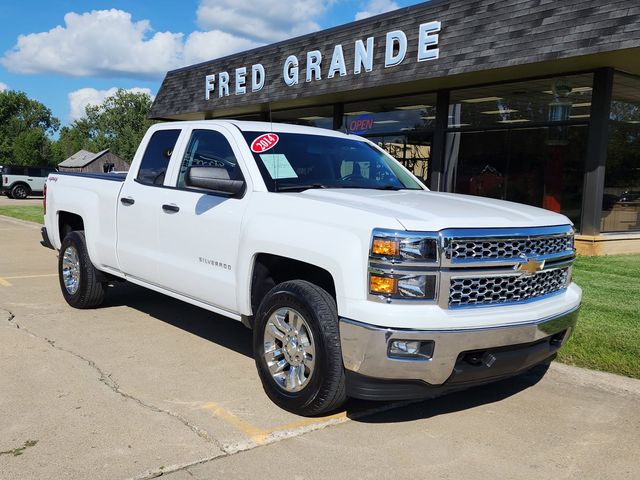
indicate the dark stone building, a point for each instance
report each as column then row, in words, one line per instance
column 535, row 101
column 89, row 162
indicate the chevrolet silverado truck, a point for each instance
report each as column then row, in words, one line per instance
column 356, row 279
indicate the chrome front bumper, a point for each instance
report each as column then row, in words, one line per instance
column 365, row 347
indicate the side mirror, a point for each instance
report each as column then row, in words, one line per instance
column 215, row 179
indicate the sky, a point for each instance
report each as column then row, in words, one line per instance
column 71, row 53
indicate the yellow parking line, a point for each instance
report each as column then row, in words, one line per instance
column 31, row 276
column 261, row 436
column 4, row 283
column 305, row 422
column 256, row 434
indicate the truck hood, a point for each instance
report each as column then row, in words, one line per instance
column 431, row 211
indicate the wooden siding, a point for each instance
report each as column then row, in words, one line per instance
column 97, row 166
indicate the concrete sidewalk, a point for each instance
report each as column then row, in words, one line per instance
column 147, row 385
column 6, row 201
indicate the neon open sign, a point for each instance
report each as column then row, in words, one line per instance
column 360, row 124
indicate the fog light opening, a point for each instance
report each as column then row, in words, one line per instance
column 411, row 349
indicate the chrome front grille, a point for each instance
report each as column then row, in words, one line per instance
column 487, row 248
column 476, row 267
column 496, row 289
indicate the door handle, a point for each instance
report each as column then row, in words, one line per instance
column 127, row 201
column 170, row 208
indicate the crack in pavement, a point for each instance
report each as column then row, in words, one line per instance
column 107, row 380
column 225, row 449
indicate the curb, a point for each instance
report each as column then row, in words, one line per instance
column 601, row 380
column 18, row 221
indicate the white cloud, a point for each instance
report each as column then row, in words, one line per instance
column 80, row 99
column 109, row 43
column 100, row 43
column 262, row 20
column 375, row 7
column 3, row 87
column 203, row 46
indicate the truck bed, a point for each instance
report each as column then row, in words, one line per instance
column 114, row 176
column 94, row 198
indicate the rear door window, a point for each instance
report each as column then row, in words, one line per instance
column 34, row 172
column 156, row 157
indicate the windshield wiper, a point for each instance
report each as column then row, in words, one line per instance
column 288, row 188
column 389, row 187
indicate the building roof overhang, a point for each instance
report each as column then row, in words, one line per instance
column 478, row 43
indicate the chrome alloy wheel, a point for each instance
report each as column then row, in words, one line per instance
column 289, row 349
column 71, row 270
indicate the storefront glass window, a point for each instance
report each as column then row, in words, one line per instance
column 621, row 203
column 546, row 100
column 321, row 117
column 524, row 142
column 403, row 126
column 520, row 165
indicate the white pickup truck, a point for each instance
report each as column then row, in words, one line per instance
column 356, row 279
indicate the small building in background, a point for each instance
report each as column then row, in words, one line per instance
column 84, row 161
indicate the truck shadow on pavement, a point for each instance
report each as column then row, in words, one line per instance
column 459, row 400
column 207, row 325
column 233, row 335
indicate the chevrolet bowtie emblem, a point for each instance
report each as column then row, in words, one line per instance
column 530, row 267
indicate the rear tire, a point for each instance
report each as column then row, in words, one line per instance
column 78, row 277
column 296, row 344
column 20, row 192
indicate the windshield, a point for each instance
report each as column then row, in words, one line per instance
column 297, row 162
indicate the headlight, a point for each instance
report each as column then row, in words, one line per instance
column 403, row 286
column 398, row 246
column 403, row 265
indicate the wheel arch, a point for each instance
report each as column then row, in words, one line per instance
column 67, row 222
column 22, row 183
column 269, row 269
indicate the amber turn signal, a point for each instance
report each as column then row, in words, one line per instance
column 384, row 285
column 383, row 246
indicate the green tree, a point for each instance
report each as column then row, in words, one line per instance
column 25, row 125
column 72, row 138
column 119, row 123
column 32, row 147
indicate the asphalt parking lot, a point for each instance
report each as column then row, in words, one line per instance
column 147, row 386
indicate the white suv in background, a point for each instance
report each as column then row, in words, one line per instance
column 20, row 181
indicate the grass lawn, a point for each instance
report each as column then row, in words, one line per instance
column 607, row 336
column 608, row 333
column 33, row 213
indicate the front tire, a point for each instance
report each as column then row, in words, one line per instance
column 78, row 277
column 296, row 344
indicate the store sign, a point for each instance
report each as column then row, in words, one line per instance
column 360, row 124
column 317, row 68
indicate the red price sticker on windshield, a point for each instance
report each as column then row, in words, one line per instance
column 264, row 142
